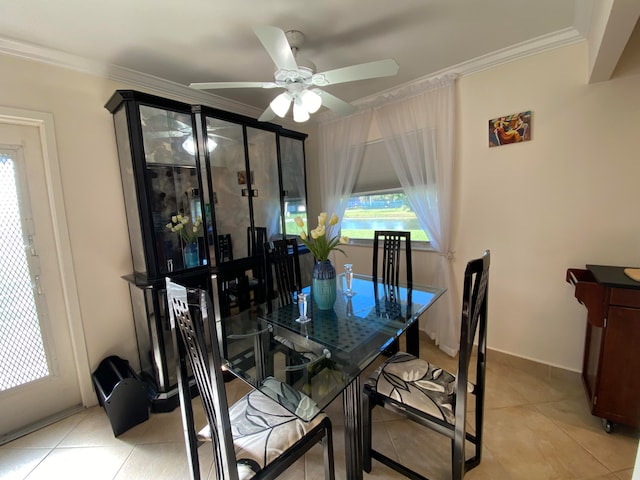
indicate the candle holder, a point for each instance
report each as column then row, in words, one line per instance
column 348, row 277
column 302, row 308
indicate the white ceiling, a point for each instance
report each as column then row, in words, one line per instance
column 208, row 40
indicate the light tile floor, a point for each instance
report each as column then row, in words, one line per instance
column 537, row 426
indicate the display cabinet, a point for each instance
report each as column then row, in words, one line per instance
column 254, row 175
column 221, row 178
column 161, row 184
column 255, row 178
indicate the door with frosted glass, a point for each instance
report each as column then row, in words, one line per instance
column 38, row 376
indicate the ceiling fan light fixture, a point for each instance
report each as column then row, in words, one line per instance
column 311, row 101
column 300, row 113
column 280, row 104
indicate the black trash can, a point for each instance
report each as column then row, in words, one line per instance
column 122, row 393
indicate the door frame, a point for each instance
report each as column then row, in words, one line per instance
column 43, row 121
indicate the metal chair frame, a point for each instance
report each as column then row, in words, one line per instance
column 474, row 319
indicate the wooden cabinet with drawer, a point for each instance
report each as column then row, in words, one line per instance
column 611, row 362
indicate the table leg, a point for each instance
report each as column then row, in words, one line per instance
column 353, row 429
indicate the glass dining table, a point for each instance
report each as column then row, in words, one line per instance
column 305, row 365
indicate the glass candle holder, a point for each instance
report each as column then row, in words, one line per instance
column 348, row 278
column 302, row 308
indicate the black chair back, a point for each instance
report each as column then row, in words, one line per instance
column 225, row 248
column 388, row 271
column 282, row 269
column 189, row 342
column 256, row 239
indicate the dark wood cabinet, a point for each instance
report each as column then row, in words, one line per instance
column 612, row 344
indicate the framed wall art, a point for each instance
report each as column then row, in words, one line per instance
column 509, row 129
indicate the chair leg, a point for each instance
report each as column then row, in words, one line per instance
column 327, row 446
column 457, row 456
column 366, row 433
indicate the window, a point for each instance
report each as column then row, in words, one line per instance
column 294, row 208
column 390, row 210
column 378, row 202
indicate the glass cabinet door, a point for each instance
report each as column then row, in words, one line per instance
column 264, row 182
column 173, row 188
column 294, row 191
column 227, row 165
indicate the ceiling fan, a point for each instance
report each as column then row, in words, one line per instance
column 299, row 78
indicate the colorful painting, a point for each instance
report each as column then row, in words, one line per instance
column 242, row 178
column 514, row 128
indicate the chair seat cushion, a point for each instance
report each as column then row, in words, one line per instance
column 262, row 430
column 416, row 383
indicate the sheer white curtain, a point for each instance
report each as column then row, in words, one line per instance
column 418, row 130
column 341, row 147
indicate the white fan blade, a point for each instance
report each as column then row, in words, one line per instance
column 215, row 85
column 380, row 68
column 275, row 42
column 334, row 103
column 267, row 115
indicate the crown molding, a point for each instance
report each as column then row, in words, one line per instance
column 544, row 43
column 561, row 38
column 120, row 74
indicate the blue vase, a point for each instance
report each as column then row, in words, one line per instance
column 191, row 255
column 324, row 285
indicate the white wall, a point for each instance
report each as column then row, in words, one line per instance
column 92, row 189
column 564, row 199
column 567, row 198
column 92, row 194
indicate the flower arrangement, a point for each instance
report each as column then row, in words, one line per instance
column 318, row 244
column 179, row 224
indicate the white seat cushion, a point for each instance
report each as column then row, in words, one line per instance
column 262, row 430
column 417, row 383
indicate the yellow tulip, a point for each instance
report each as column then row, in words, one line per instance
column 322, row 218
column 303, row 235
column 318, row 232
column 334, row 219
column 344, row 239
column 174, row 219
column 299, row 222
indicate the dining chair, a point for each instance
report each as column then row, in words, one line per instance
column 282, row 270
column 389, row 276
column 256, row 437
column 431, row 396
column 256, row 238
column 225, row 247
